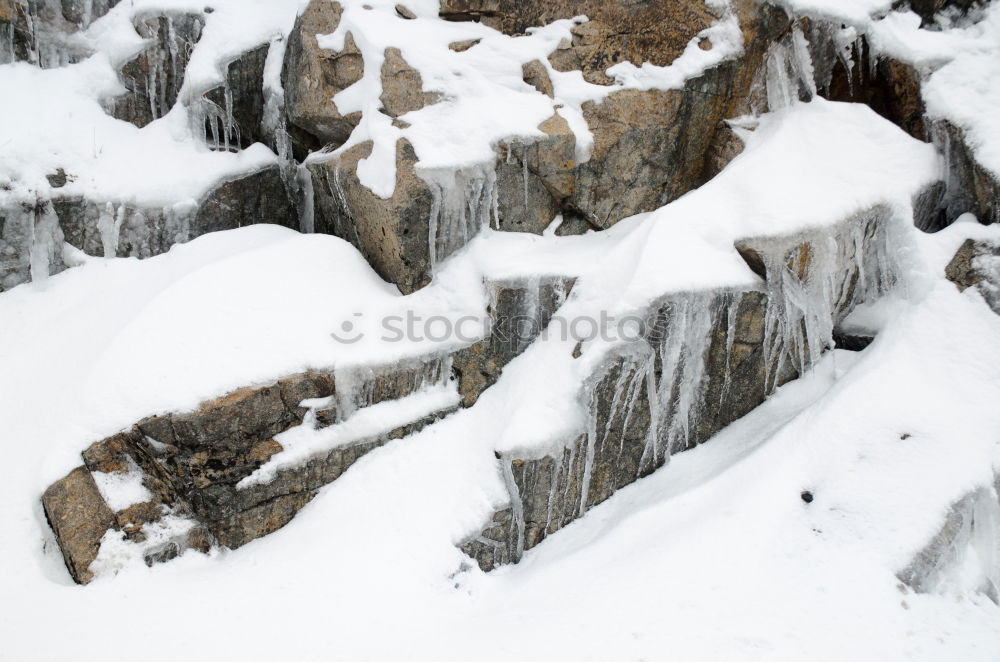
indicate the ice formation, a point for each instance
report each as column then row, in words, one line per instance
column 464, row 202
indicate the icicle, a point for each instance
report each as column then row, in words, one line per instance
column 463, row 202
column 517, row 507
column 633, row 370
column 779, row 86
column 732, row 312
column 524, row 177
column 87, row 14
column 307, row 209
column 46, row 241
column 177, row 224
column 530, row 313
column 803, row 61
column 108, row 228
column 789, row 69
column 231, row 131
column 695, row 331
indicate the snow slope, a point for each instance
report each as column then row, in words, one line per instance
column 714, row 557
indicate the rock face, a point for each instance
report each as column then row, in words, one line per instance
column 889, row 87
column 33, row 233
column 258, row 197
column 977, row 264
column 707, row 359
column 191, row 465
column 927, row 9
column 154, row 78
column 519, row 311
column 79, row 517
column 643, row 31
column 650, row 147
column 312, row 76
column 234, row 112
column 969, row 186
column 37, row 31
column 393, row 234
column 198, row 467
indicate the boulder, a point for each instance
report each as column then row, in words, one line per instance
column 977, row 264
column 643, row 31
column 249, row 199
column 402, row 86
column 79, row 517
column 393, row 234
column 970, row 187
column 311, row 76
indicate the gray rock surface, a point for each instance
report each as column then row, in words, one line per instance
column 154, row 77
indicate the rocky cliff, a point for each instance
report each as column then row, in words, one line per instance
column 529, row 164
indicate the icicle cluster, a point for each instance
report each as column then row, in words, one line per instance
column 215, row 124
column 46, row 242
column 362, row 386
column 789, row 71
column 814, row 283
column 464, row 202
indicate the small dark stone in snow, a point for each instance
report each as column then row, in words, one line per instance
column 807, row 496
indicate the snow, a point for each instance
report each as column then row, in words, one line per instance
column 301, row 443
column 715, row 556
column 160, row 165
column 484, row 98
column 959, row 60
column 852, row 12
column 682, row 561
column 121, row 489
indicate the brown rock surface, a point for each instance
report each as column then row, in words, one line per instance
column 311, row 76
column 79, row 517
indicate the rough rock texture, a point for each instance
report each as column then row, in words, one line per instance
column 652, row 147
column 969, row 186
column 706, row 359
column 235, row 116
column 311, row 76
column 889, row 87
column 153, row 79
column 402, row 86
column 192, row 462
column 37, row 31
column 79, row 517
column 977, row 264
column 256, row 197
column 392, row 234
column 639, row 31
column 519, row 312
